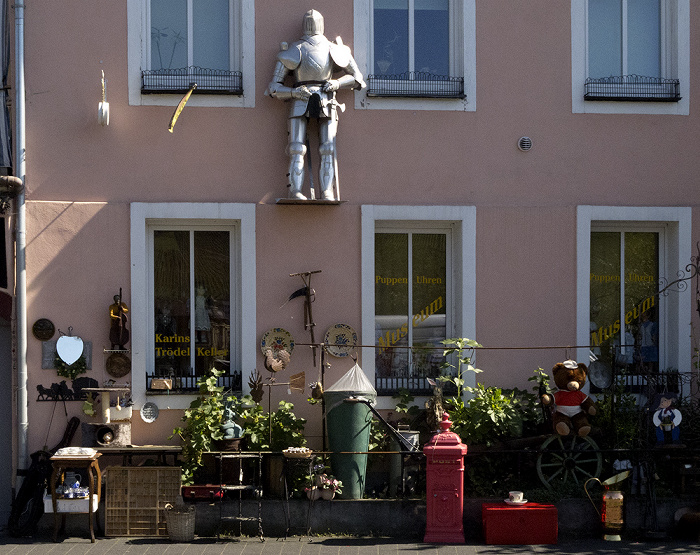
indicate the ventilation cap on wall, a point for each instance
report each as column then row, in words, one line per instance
column 525, row 143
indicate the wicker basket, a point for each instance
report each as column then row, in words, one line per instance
column 180, row 520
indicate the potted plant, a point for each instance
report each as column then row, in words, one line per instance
column 322, row 484
column 273, row 431
column 329, row 485
column 203, row 424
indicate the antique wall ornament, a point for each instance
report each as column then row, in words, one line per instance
column 312, row 62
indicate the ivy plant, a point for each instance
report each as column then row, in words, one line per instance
column 202, row 424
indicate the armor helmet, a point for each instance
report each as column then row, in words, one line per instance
column 313, row 23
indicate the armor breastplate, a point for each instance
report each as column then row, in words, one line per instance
column 316, row 64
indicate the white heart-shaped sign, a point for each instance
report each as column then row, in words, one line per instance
column 69, row 348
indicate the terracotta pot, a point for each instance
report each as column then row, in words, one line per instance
column 327, row 494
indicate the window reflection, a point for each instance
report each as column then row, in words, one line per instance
column 191, row 293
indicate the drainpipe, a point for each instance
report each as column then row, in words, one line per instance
column 20, row 244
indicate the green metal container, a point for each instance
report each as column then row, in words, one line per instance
column 348, row 425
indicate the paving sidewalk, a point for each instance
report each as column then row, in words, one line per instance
column 326, row 545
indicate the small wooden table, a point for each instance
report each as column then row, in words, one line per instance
column 92, row 469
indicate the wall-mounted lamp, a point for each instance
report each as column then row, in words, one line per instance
column 10, row 187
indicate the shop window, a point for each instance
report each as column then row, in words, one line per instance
column 192, row 305
column 412, row 296
column 626, row 317
column 416, row 53
column 193, row 278
column 418, row 289
column 176, row 43
column 630, row 55
column 626, row 256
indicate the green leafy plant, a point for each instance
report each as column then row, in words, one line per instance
column 272, row 431
column 70, row 371
column 202, row 424
column 492, row 414
column 618, row 419
column 458, row 346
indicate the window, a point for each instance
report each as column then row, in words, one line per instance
column 634, row 51
column 411, row 305
column 418, row 289
column 175, row 43
column 193, row 278
column 625, row 308
column 416, row 53
column 625, row 257
column 192, row 302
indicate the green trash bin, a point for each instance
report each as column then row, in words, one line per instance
column 348, row 425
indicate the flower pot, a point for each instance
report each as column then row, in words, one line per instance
column 313, row 493
column 327, row 494
column 228, row 444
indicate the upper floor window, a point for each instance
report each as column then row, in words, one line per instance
column 193, row 42
column 413, row 51
column 174, row 44
column 630, row 51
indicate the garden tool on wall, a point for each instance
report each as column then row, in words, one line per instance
column 309, row 297
column 181, row 107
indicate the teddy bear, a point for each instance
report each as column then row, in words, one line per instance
column 571, row 406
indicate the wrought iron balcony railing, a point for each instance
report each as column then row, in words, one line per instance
column 636, row 88
column 209, row 81
column 415, row 85
column 417, row 386
column 186, row 384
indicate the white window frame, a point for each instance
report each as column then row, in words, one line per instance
column 674, row 254
column 462, row 221
column 240, row 219
column 139, row 45
column 675, row 63
column 462, row 59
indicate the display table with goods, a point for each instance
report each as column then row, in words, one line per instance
column 67, row 493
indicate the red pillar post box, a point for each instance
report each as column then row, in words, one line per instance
column 444, row 455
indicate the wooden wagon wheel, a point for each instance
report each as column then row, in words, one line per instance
column 565, row 458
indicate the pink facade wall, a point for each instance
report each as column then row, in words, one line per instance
column 81, row 178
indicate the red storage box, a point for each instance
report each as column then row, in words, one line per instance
column 527, row 524
column 202, row 493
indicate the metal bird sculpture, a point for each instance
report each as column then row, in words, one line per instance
column 276, row 362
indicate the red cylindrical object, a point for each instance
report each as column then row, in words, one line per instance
column 444, row 455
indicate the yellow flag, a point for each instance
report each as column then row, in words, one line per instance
column 181, row 106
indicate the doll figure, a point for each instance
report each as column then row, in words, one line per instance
column 666, row 419
column 202, row 323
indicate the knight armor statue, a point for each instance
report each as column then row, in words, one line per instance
column 313, row 61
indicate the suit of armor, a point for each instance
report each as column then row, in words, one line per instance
column 312, row 61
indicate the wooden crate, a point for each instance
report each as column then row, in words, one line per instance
column 135, row 499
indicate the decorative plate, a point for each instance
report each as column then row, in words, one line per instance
column 149, row 412
column 43, row 329
column 118, row 365
column 340, row 340
column 277, row 339
column 600, row 374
